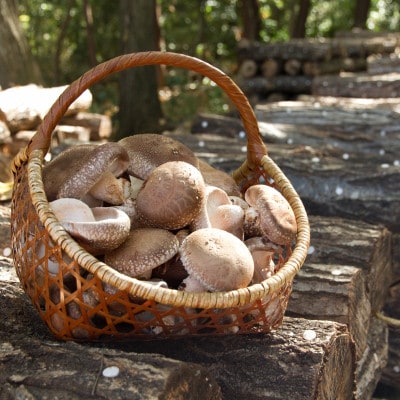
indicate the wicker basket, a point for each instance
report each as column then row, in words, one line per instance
column 138, row 309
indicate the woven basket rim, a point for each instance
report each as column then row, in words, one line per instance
column 257, row 158
column 169, row 296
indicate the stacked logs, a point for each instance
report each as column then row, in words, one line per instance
column 22, row 109
column 277, row 71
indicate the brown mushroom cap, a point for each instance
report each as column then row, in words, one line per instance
column 108, row 157
column 277, row 219
column 111, row 189
column 215, row 177
column 172, row 196
column 143, row 250
column 219, row 212
column 63, row 165
column 149, row 150
column 107, row 228
column 217, row 259
column 73, row 210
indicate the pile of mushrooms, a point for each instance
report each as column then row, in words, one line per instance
column 152, row 210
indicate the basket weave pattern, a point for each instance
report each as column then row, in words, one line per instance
column 135, row 308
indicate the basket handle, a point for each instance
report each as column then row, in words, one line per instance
column 256, row 148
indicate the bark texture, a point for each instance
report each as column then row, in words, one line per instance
column 17, row 66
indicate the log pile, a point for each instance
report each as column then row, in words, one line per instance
column 342, row 155
column 272, row 71
column 22, row 109
column 299, row 361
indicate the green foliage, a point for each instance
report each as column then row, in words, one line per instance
column 43, row 25
column 384, row 16
column 328, row 17
column 57, row 33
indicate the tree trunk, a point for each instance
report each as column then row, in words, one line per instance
column 361, row 12
column 298, row 25
column 250, row 14
column 139, row 105
column 16, row 62
column 90, row 29
column 60, row 40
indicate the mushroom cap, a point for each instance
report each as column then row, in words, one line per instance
column 108, row 157
column 218, row 259
column 56, row 171
column 230, row 218
column 73, row 210
column 149, row 150
column 105, row 230
column 239, row 201
column 110, row 189
column 277, row 219
column 215, row 177
column 223, row 214
column 172, row 196
column 219, row 212
column 143, row 250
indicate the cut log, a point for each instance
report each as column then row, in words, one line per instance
column 344, row 127
column 362, row 47
column 342, row 296
column 247, row 69
column 5, row 133
column 33, row 369
column 373, row 361
column 270, row 68
column 367, row 34
column 391, row 373
column 323, row 113
column 345, row 275
column 280, row 83
column 317, row 49
column 292, row 67
column 25, row 106
column 357, row 85
column 383, row 64
column 396, row 257
column 337, row 65
column 5, row 236
column 329, row 181
column 353, row 103
column 303, row 360
column 5, row 168
column 218, row 124
column 65, row 133
column 18, row 142
column 100, row 126
column 359, row 244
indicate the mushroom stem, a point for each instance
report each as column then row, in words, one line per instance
column 262, row 252
column 110, row 189
column 136, row 185
column 219, row 212
column 191, row 284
